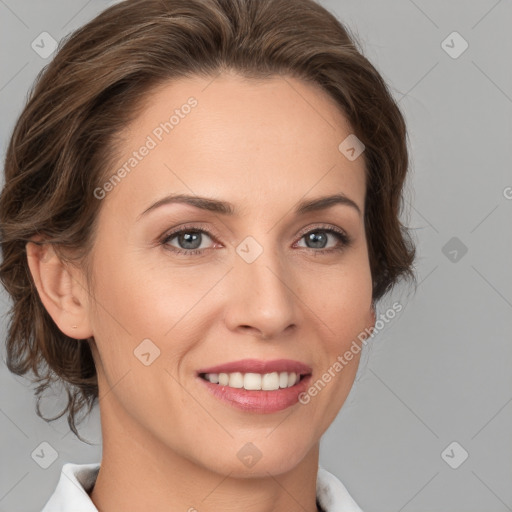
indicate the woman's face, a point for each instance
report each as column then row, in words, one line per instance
column 265, row 282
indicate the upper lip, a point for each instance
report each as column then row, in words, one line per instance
column 259, row 366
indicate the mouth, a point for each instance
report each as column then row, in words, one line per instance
column 255, row 381
column 256, row 385
column 257, row 374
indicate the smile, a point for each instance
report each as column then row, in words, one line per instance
column 254, row 381
column 260, row 386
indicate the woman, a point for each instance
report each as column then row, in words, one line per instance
column 200, row 214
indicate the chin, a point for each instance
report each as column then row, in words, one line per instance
column 258, row 459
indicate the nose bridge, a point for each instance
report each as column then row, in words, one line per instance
column 263, row 297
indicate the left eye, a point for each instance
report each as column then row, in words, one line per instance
column 318, row 238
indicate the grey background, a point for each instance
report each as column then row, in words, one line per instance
column 440, row 370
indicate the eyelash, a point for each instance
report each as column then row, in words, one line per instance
column 345, row 240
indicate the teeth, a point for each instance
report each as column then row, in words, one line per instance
column 254, row 381
column 270, row 381
column 236, row 380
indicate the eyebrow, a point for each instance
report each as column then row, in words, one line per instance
column 226, row 208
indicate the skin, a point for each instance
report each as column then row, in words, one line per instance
column 263, row 146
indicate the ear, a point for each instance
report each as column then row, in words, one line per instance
column 60, row 289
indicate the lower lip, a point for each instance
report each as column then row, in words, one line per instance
column 263, row 402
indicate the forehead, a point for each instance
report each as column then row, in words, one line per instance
column 252, row 142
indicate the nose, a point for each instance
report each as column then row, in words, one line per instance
column 262, row 299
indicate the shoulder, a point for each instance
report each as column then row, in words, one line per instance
column 332, row 494
column 75, row 482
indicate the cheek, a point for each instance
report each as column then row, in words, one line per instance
column 342, row 298
column 148, row 299
column 343, row 307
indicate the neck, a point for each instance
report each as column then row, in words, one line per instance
column 138, row 472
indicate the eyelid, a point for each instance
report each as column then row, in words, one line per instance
column 325, row 227
column 190, row 227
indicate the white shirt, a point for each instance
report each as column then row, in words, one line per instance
column 77, row 480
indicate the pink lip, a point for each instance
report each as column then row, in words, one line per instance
column 263, row 402
column 259, row 366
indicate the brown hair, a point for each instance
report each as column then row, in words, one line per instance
column 63, row 143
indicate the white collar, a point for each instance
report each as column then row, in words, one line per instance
column 77, row 480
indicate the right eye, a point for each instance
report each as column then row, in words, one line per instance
column 188, row 239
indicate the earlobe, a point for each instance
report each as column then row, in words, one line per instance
column 62, row 295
